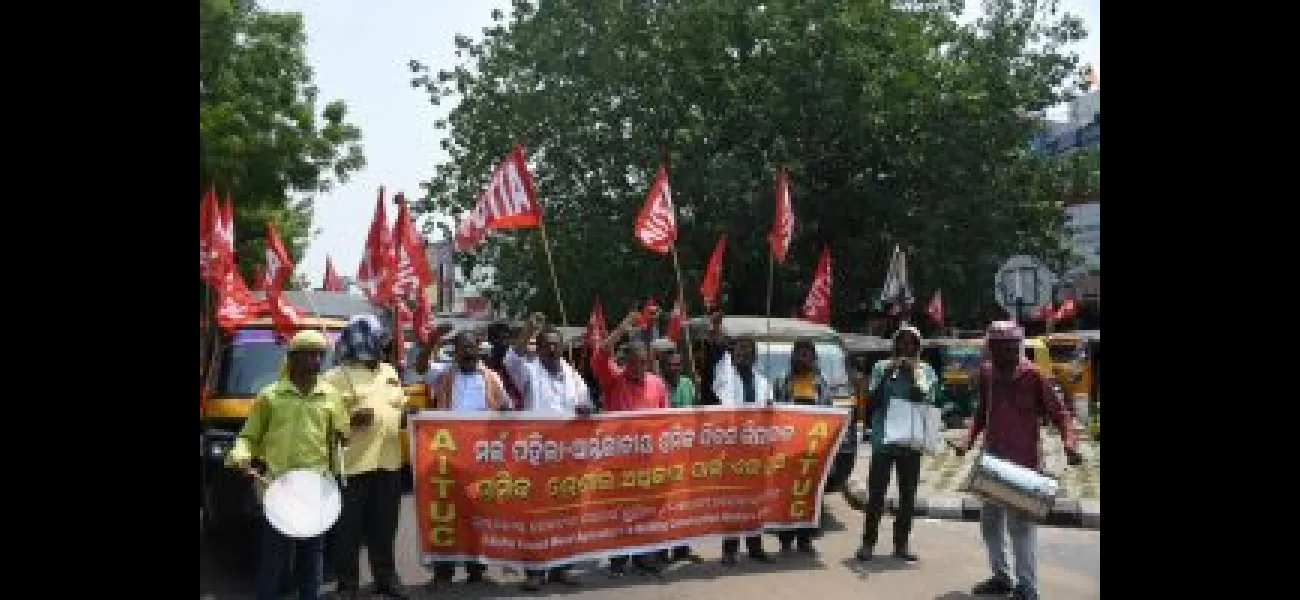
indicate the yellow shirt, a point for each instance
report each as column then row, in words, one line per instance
column 803, row 387
column 379, row 445
column 289, row 430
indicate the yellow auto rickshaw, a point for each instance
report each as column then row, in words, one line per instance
column 234, row 367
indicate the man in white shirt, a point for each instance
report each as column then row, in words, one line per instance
column 737, row 383
column 547, row 384
column 466, row 386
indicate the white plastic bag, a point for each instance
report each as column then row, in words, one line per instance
column 904, row 424
column 914, row 425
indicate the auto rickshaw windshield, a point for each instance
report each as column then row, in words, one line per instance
column 773, row 361
column 252, row 361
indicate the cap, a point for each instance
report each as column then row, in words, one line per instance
column 308, row 339
column 1005, row 330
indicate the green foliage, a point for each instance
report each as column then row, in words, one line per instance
column 261, row 135
column 896, row 123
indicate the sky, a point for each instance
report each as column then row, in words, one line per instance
column 360, row 52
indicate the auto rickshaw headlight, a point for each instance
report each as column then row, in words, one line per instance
column 217, row 448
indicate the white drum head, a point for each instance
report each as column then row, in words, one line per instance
column 302, row 504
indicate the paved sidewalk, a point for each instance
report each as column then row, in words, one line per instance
column 1078, row 505
column 952, row 560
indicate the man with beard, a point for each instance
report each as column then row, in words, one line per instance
column 467, row 386
column 735, row 382
column 1013, row 394
column 628, row 387
column 550, row 385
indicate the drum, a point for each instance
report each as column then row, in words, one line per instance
column 1007, row 484
column 302, row 504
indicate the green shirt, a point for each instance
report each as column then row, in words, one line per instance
column 900, row 387
column 290, row 431
column 683, row 393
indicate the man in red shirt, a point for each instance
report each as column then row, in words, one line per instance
column 1014, row 395
column 629, row 387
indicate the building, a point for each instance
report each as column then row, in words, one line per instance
column 1082, row 129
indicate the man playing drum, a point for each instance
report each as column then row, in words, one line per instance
column 1013, row 396
column 289, row 427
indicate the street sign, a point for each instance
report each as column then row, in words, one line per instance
column 1021, row 284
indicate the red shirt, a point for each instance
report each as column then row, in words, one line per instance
column 618, row 393
column 1010, row 423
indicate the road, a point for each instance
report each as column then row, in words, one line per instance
column 952, row 560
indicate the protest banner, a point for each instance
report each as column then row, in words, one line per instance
column 533, row 491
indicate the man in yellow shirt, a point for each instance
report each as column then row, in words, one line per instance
column 372, row 462
column 290, row 426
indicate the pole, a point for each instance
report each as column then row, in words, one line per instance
column 771, row 269
column 555, row 281
column 686, row 326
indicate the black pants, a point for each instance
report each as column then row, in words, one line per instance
column 371, row 506
column 557, row 571
column 444, row 571
column 908, row 464
column 803, row 535
column 753, row 545
column 620, row 562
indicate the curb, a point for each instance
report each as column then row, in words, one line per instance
column 1085, row 514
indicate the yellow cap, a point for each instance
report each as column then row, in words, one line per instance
column 309, row 339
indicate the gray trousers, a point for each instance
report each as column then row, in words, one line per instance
column 995, row 523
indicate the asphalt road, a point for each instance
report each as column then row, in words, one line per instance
column 952, row 560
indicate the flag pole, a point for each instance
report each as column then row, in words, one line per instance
column 771, row 268
column 555, row 281
column 681, row 301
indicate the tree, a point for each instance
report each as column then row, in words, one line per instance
column 896, row 123
column 262, row 138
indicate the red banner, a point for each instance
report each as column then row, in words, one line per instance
column 532, row 491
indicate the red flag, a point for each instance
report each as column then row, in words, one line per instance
column 817, row 306
column 1042, row 313
column 332, row 281
column 596, row 330
column 675, row 319
column 656, row 224
column 712, row 282
column 235, row 303
column 509, row 202
column 375, row 273
column 935, row 310
column 279, row 267
column 412, row 273
column 778, row 239
column 1067, row 310
column 210, row 224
